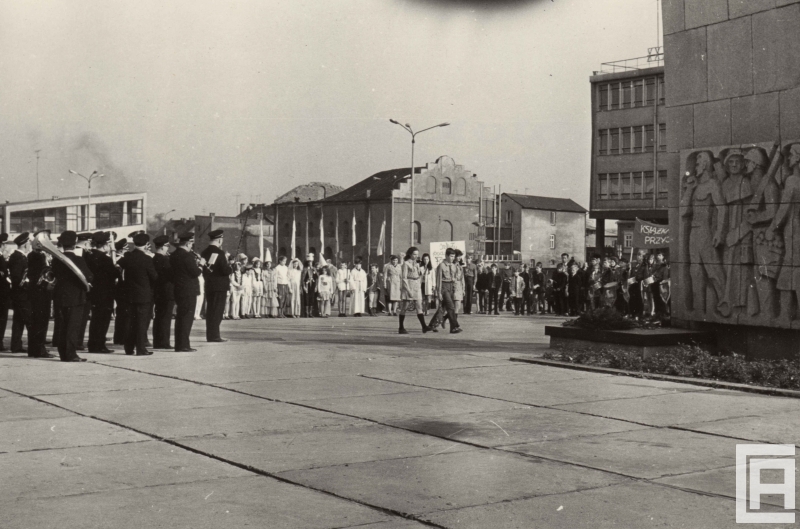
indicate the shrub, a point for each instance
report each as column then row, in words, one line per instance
column 691, row 361
column 602, row 319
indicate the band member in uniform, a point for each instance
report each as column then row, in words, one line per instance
column 20, row 299
column 308, row 280
column 186, row 269
column 163, row 294
column 121, row 313
column 85, row 245
column 138, row 278
column 217, row 281
column 5, row 290
column 104, row 286
column 69, row 297
column 40, row 296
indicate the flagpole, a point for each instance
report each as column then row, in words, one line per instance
column 261, row 236
column 337, row 236
column 369, row 234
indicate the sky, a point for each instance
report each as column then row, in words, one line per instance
column 196, row 102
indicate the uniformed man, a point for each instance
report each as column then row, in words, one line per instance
column 69, row 297
column 163, row 294
column 5, row 290
column 41, row 300
column 101, row 296
column 85, row 245
column 139, row 276
column 186, row 270
column 446, row 277
column 20, row 297
column 121, row 312
column 217, row 281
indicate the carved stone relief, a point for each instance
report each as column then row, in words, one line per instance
column 739, row 219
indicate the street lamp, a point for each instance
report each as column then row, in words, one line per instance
column 413, row 141
column 88, row 179
column 165, row 219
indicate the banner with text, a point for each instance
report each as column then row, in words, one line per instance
column 649, row 235
column 439, row 248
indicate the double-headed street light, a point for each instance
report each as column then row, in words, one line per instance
column 413, row 141
column 88, row 179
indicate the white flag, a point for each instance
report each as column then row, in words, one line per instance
column 261, row 238
column 294, row 236
column 354, row 227
column 382, row 238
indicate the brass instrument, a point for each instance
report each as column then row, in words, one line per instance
column 41, row 241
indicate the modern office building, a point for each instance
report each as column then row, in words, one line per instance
column 629, row 169
column 119, row 212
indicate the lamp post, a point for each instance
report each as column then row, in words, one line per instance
column 165, row 219
column 413, row 142
column 88, row 179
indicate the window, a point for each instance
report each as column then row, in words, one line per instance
column 614, row 141
column 299, row 229
column 509, row 216
column 430, row 185
column 298, row 252
column 614, row 185
column 446, row 230
column 648, row 184
column 625, row 178
column 649, row 138
column 638, row 93
column 417, row 233
column 662, row 184
column 661, row 91
column 552, row 242
column 603, row 142
column 637, row 185
column 638, row 138
column 328, row 252
column 461, row 187
column 604, row 97
column 603, row 188
column 627, row 95
column 614, row 92
column 628, row 239
column 552, row 218
column 446, row 186
column 662, row 137
column 626, row 140
column 650, row 91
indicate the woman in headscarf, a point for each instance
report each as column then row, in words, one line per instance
column 295, row 273
column 411, row 290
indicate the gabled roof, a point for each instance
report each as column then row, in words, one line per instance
column 380, row 185
column 546, row 203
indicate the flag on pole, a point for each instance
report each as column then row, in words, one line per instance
column 337, row 235
column 294, row 234
column 382, row 238
column 321, row 232
column 354, row 227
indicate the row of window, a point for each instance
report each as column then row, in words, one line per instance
column 510, row 217
column 107, row 215
column 636, row 185
column 447, row 186
column 631, row 94
column 444, row 233
column 631, row 140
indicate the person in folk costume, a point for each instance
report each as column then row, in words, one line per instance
column 324, row 291
column 411, row 290
column 236, row 291
column 393, row 284
column 309, row 282
column 375, row 284
column 270, row 290
column 257, row 292
column 358, row 288
column 428, row 282
column 295, row 288
column 342, row 288
column 248, row 278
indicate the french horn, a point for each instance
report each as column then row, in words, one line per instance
column 41, row 241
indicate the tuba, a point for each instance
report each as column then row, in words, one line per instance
column 41, row 241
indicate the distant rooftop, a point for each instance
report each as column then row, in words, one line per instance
column 546, row 203
column 379, row 185
column 95, row 198
column 654, row 58
column 309, row 192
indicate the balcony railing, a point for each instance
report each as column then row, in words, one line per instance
column 655, row 57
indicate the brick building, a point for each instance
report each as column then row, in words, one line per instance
column 449, row 206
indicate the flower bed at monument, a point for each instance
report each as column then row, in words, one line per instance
column 690, row 361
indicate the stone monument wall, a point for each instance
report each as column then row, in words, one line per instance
column 732, row 71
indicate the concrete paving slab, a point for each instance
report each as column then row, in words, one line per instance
column 20, row 408
column 5, row 394
column 516, row 426
column 450, row 481
column 211, row 504
column 70, row 471
column 321, row 388
column 256, row 416
column 683, row 408
column 426, row 403
column 64, row 432
column 321, row 446
column 393, row 524
column 630, row 505
column 107, row 380
column 178, row 395
column 48, row 368
column 649, row 453
column 780, row 428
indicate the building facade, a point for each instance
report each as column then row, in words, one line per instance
column 118, row 212
column 372, row 219
column 630, row 172
column 542, row 228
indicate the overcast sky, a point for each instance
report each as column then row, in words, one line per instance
column 195, row 102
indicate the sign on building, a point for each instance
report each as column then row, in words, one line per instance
column 439, row 248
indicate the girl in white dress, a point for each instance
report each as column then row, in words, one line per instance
column 235, row 292
column 342, row 288
column 324, row 292
column 295, row 273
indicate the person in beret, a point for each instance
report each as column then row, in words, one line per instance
column 5, row 291
column 20, row 297
column 69, row 297
column 217, row 281
column 186, row 270
column 104, row 286
column 121, row 312
column 163, row 294
column 138, row 279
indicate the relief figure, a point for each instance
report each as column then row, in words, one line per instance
column 787, row 224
